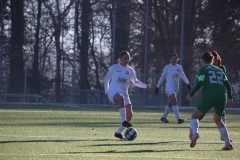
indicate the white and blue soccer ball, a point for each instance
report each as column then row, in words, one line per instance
column 130, row 134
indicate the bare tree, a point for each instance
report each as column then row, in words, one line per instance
column 16, row 80
column 57, row 18
column 35, row 84
column 122, row 25
column 84, row 44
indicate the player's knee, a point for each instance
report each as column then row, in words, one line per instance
column 119, row 98
column 174, row 102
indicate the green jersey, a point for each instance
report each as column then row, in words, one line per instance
column 221, row 67
column 213, row 81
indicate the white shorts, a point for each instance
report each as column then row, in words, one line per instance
column 171, row 91
column 126, row 98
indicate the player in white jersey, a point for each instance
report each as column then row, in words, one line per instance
column 172, row 72
column 116, row 84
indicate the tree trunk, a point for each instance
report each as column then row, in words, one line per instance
column 16, row 79
column 58, row 63
column 85, row 28
column 122, row 26
column 35, row 84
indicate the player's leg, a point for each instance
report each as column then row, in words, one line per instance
column 223, row 117
column 194, row 126
column 129, row 112
column 203, row 106
column 201, row 117
column 222, row 127
column 174, row 102
column 198, row 95
column 166, row 111
column 119, row 99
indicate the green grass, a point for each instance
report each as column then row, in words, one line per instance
column 43, row 132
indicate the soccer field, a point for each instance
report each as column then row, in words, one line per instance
column 41, row 132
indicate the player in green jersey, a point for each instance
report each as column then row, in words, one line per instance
column 217, row 62
column 214, row 84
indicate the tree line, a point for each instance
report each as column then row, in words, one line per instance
column 38, row 39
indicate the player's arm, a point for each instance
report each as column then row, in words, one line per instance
column 196, row 88
column 107, row 79
column 200, row 82
column 138, row 83
column 198, row 94
column 229, row 89
column 161, row 79
column 229, row 92
column 184, row 78
column 227, row 86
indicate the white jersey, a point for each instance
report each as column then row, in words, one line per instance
column 172, row 73
column 120, row 77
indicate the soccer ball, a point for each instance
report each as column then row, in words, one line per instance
column 130, row 134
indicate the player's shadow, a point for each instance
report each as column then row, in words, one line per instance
column 130, row 151
column 128, row 143
column 65, row 124
column 132, row 144
column 46, row 141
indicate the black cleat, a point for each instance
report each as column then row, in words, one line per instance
column 126, row 124
column 180, row 121
column 164, row 120
column 119, row 135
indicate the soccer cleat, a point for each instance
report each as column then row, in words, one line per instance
column 126, row 124
column 194, row 140
column 164, row 120
column 228, row 147
column 180, row 121
column 119, row 135
column 190, row 134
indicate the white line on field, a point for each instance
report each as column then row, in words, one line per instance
column 108, row 155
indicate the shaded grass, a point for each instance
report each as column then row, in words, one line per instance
column 57, row 132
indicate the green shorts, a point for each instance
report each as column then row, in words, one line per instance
column 207, row 102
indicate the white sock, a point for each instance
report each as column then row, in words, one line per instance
column 194, row 125
column 224, row 134
column 120, row 128
column 176, row 112
column 123, row 114
column 223, row 119
column 166, row 111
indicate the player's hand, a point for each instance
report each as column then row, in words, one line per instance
column 188, row 97
column 148, row 86
column 156, row 91
column 230, row 102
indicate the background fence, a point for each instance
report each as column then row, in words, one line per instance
column 98, row 97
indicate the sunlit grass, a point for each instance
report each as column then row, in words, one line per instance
column 87, row 133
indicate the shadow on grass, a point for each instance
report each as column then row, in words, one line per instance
column 47, row 141
column 132, row 151
column 128, row 143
